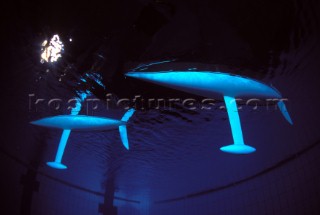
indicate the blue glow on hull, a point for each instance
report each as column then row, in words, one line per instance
column 208, row 84
column 79, row 122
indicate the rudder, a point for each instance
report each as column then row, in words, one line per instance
column 123, row 128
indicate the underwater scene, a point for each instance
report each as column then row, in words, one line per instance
column 160, row 107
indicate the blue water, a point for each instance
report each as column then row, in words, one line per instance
column 174, row 152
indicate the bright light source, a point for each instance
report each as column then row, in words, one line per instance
column 51, row 51
column 70, row 39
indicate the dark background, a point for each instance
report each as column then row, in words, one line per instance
column 174, row 165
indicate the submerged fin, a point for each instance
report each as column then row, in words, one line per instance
column 284, row 111
column 238, row 147
column 127, row 115
column 123, row 128
column 56, row 165
column 62, row 145
column 124, row 136
column 234, row 119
